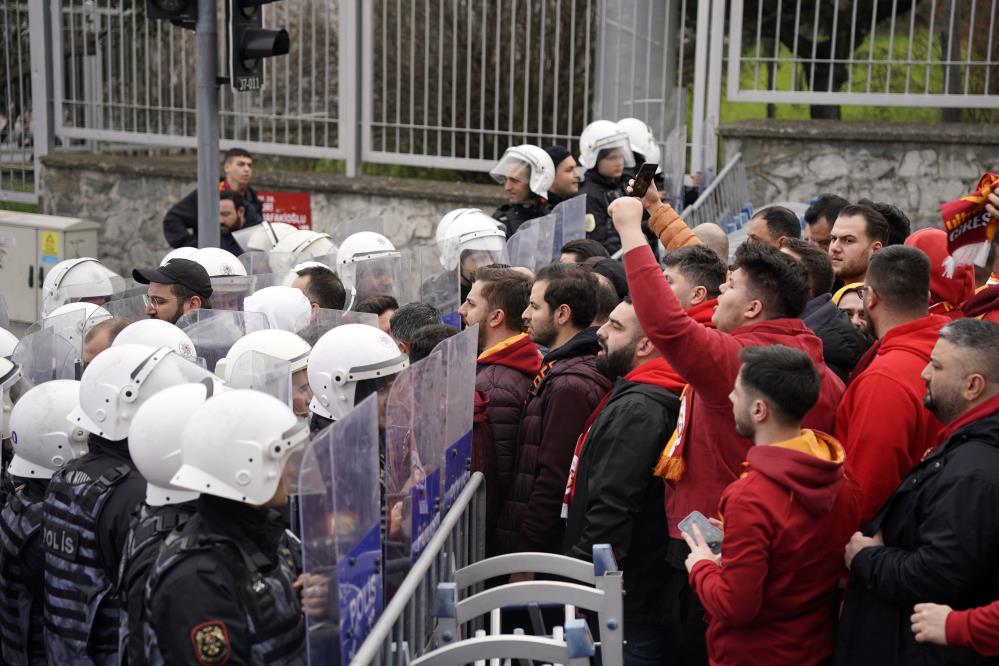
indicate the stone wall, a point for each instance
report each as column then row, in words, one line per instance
column 916, row 167
column 130, row 195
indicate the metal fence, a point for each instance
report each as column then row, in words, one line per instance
column 16, row 168
column 724, row 201
column 925, row 53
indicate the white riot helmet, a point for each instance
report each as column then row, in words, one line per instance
column 305, row 244
column 283, row 345
column 157, row 333
column 266, row 235
column 177, row 253
column 8, row 341
column 252, row 436
column 603, row 135
column 364, row 246
column 74, row 320
column 540, row 168
column 77, row 280
column 10, row 373
column 120, row 379
column 468, row 229
column 641, row 139
column 286, row 308
column 43, row 439
column 344, row 356
column 155, row 436
column 219, row 262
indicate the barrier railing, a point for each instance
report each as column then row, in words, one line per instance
column 724, row 201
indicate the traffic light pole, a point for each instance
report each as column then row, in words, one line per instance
column 206, row 33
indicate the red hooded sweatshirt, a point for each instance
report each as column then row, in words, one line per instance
column 984, row 304
column 882, row 422
column 946, row 293
column 709, row 360
column 786, row 522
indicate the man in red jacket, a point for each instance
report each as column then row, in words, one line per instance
column 769, row 594
column 696, row 274
column 882, row 422
column 759, row 305
column 508, row 358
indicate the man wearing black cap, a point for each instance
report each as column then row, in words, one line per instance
column 566, row 184
column 175, row 289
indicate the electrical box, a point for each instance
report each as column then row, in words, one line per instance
column 30, row 246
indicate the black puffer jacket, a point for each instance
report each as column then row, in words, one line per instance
column 842, row 343
column 511, row 216
column 617, row 499
column 600, row 192
column 941, row 535
column 180, row 224
column 552, row 421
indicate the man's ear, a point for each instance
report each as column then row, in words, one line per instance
column 698, row 295
column 563, row 315
column 193, row 303
column 496, row 318
column 753, row 309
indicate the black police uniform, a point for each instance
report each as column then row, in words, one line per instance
column 600, row 192
column 22, row 571
column 88, row 509
column 512, row 216
column 221, row 590
column 150, row 528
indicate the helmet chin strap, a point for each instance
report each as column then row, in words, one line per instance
column 350, row 303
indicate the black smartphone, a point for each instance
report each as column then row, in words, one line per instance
column 643, row 179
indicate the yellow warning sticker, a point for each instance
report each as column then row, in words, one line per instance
column 50, row 245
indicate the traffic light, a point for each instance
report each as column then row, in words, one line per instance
column 183, row 13
column 250, row 43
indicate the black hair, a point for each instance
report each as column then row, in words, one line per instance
column 324, row 288
column 235, row 197
column 776, row 279
column 410, row 318
column 584, row 248
column 426, row 339
column 184, row 294
column 700, row 266
column 979, row 336
column 505, row 289
column 786, row 378
column 876, row 225
column 901, row 277
column 571, row 285
column 826, row 206
column 816, row 262
column 781, row 222
column 233, row 153
column 376, row 305
column 899, row 225
column 606, row 300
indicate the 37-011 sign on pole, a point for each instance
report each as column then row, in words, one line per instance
column 249, row 43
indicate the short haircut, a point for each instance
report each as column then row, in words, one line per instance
column 780, row 222
column 584, row 248
column 571, row 285
column 899, row 225
column 324, row 288
column 313, row 332
column 606, row 300
column 978, row 336
column 235, row 197
column 876, row 227
column 507, row 290
column 827, row 206
column 700, row 266
column 816, row 262
column 410, row 318
column 776, row 279
column 112, row 327
column 184, row 294
column 785, row 377
column 426, row 339
column 901, row 277
column 233, row 153
column 376, row 305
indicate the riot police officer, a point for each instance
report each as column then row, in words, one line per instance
column 223, row 588
column 43, row 441
column 525, row 172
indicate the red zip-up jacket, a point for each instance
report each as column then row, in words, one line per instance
column 709, row 360
column 786, row 523
column 882, row 422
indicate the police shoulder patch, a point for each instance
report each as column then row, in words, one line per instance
column 211, row 643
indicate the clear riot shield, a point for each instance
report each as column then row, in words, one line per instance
column 531, row 245
column 72, row 326
column 427, row 281
column 348, row 228
column 460, row 352
column 255, row 262
column 381, row 276
column 332, row 318
column 570, row 223
column 214, row 332
column 44, row 355
column 262, row 372
column 4, row 313
column 281, row 263
column 339, row 507
column 132, row 308
column 229, row 291
column 414, row 446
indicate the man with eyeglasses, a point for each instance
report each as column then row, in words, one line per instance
column 174, row 289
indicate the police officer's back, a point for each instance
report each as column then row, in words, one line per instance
column 222, row 589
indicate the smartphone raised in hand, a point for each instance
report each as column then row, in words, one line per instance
column 643, row 179
column 712, row 535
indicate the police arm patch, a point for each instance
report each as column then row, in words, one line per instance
column 211, row 643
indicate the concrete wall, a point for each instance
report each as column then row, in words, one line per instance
column 130, row 195
column 916, row 167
